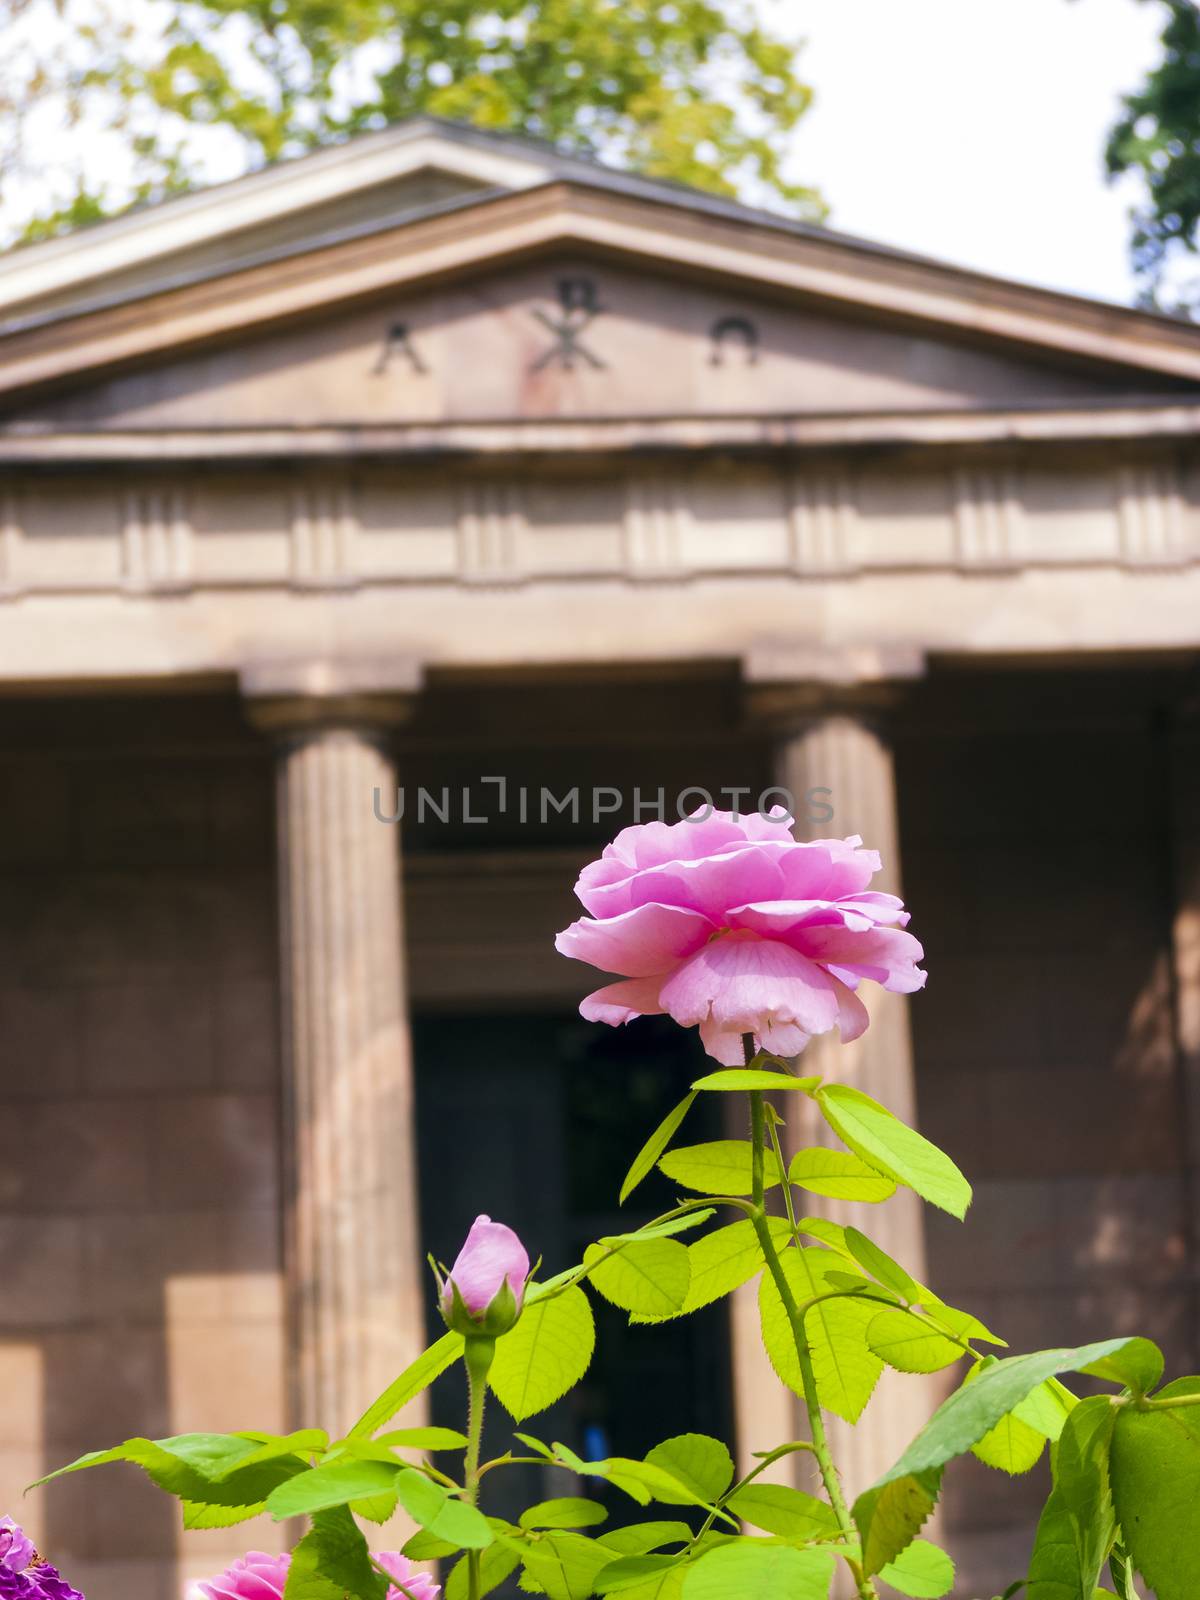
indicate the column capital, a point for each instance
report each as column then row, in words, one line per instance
column 790, row 685
column 293, row 697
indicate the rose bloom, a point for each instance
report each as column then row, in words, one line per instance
column 730, row 924
column 23, row 1573
column 491, row 1255
column 261, row 1577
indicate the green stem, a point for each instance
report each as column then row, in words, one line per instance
column 795, row 1316
column 478, row 1355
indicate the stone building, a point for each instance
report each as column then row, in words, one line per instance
column 439, row 461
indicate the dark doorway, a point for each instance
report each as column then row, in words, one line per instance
column 534, row 1119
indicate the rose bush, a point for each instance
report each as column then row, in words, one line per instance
column 730, row 925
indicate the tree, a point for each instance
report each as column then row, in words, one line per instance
column 1158, row 137
column 694, row 90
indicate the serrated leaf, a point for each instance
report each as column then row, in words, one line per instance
column 633, row 1572
column 640, row 1537
column 545, row 1354
column 746, row 1567
column 567, row 1511
column 565, row 1565
column 922, row 1571
column 882, row 1267
column 496, row 1563
column 378, row 1508
column 1155, row 1473
column 839, row 1175
column 702, row 1464
column 790, row 1513
column 1139, row 1366
column 424, row 1439
column 204, row 1469
column 430, row 1364
column 332, row 1561
column 649, row 1276
column 739, row 1079
column 1012, row 1446
column 1076, row 1526
column 890, row 1516
column 721, row 1262
column 908, row 1344
column 975, row 1408
column 846, row 1368
column 720, row 1167
column 643, row 1481
column 884, row 1142
column 334, row 1484
column 647, row 1157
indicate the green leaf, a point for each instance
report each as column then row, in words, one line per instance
column 424, row 1439
column 882, row 1268
column 890, row 1516
column 545, row 1354
column 846, row 1367
column 647, row 1157
column 335, row 1484
column 332, row 1562
column 973, row 1410
column 376, row 1508
column 790, row 1513
column 633, row 1572
column 430, row 1364
column 1155, row 1470
column 203, row 1469
column 908, row 1344
column 565, row 1565
column 839, row 1175
column 496, row 1563
column 721, row 1262
column 1012, row 1446
column 649, row 1276
column 1076, row 1526
column 743, row 1078
column 884, row 1142
column 700, row 1463
column 643, row 1481
column 1139, row 1366
column 642, row 1536
column 722, row 1167
column 569, row 1511
column 747, row 1567
column 922, row 1571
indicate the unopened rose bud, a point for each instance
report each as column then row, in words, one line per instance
column 485, row 1289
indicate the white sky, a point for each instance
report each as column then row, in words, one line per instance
column 974, row 130
column 971, row 130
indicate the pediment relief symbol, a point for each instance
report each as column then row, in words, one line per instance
column 569, row 335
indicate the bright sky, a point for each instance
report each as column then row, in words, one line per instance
column 974, row 130
column 971, row 130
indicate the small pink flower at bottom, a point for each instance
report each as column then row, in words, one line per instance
column 256, row 1576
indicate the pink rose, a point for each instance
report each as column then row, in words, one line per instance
column 731, row 924
column 261, row 1577
column 487, row 1280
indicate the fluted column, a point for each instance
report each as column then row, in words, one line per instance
column 831, row 752
column 356, row 1289
column 1185, row 863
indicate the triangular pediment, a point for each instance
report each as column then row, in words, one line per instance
column 569, row 302
column 569, row 336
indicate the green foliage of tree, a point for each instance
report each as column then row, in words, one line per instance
column 1158, row 138
column 698, row 91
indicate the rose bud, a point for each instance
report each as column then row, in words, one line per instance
column 485, row 1288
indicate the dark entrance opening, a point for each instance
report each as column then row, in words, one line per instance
column 534, row 1120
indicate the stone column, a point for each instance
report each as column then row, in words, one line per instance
column 831, row 737
column 1185, row 861
column 352, row 1243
